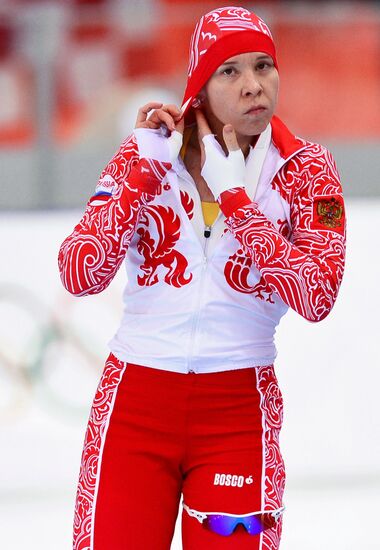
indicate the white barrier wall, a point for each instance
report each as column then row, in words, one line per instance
column 52, row 347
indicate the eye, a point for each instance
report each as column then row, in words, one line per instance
column 228, row 71
column 264, row 65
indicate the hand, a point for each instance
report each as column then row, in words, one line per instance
column 221, row 172
column 169, row 115
column 160, row 136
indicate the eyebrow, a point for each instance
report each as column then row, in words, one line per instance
column 260, row 58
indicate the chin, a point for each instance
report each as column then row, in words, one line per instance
column 252, row 130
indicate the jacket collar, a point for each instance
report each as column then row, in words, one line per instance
column 286, row 143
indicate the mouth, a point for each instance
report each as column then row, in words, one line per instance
column 256, row 110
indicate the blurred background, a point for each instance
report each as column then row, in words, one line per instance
column 72, row 76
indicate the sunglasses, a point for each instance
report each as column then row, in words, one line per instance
column 225, row 524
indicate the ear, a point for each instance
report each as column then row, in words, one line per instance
column 201, row 96
column 197, row 102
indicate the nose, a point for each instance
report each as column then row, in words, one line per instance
column 250, row 83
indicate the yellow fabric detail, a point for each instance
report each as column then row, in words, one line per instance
column 186, row 138
column 210, row 211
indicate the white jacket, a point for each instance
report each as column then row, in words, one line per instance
column 196, row 304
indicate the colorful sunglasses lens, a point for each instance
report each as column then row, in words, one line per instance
column 259, row 523
column 225, row 525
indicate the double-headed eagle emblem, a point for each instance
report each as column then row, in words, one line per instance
column 330, row 212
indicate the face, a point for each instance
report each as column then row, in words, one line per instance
column 243, row 92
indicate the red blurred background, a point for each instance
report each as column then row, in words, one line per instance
column 328, row 56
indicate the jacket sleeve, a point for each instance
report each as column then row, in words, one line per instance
column 305, row 271
column 90, row 256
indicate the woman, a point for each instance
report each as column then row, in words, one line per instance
column 224, row 221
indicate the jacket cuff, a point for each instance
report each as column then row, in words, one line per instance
column 233, row 199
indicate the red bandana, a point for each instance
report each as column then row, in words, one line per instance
column 219, row 35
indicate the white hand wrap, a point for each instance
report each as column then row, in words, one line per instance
column 153, row 144
column 220, row 172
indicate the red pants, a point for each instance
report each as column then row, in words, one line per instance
column 154, row 435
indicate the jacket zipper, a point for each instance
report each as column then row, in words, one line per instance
column 207, row 234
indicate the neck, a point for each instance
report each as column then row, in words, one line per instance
column 244, row 142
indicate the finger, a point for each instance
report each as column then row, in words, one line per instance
column 203, row 127
column 148, row 124
column 230, row 138
column 174, row 116
column 162, row 117
column 173, row 110
column 180, row 126
column 202, row 149
column 142, row 113
column 203, row 153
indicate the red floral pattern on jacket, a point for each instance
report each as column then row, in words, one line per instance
column 160, row 251
column 90, row 257
column 305, row 271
